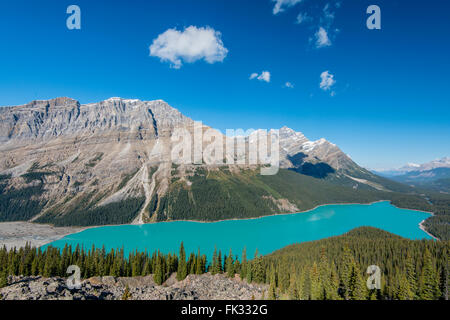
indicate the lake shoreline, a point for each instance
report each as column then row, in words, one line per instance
column 422, row 227
column 45, row 234
column 277, row 214
column 266, row 216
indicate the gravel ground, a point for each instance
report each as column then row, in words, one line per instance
column 17, row 234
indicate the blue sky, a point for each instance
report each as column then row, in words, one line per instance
column 387, row 103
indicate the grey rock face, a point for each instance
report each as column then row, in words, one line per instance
column 46, row 120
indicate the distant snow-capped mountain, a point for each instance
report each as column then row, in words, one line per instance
column 413, row 167
column 433, row 175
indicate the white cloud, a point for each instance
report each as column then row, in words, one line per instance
column 280, row 5
column 289, row 85
column 264, row 76
column 188, row 46
column 303, row 17
column 327, row 81
column 322, row 39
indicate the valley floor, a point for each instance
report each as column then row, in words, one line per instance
column 17, row 234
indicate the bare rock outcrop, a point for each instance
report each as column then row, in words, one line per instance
column 194, row 287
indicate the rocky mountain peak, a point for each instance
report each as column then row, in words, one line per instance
column 56, row 102
column 65, row 117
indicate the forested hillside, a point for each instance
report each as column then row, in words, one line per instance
column 411, row 269
column 222, row 194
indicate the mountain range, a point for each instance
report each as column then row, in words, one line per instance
column 112, row 162
column 434, row 175
column 413, row 167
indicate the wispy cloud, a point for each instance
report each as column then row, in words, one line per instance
column 264, row 76
column 328, row 15
column 303, row 17
column 280, row 5
column 327, row 81
column 190, row 45
column 289, row 85
column 321, row 19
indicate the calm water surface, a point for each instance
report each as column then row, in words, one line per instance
column 266, row 234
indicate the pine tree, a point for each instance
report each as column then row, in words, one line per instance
column 219, row 262
column 135, row 266
column 430, row 279
column 3, row 279
column 282, row 273
column 204, row 262
column 333, row 288
column 293, row 287
column 300, row 284
column 35, row 267
column 214, row 266
column 404, row 291
column 272, row 294
column 146, row 270
column 443, row 286
column 159, row 271
column 345, row 271
column 243, row 272
column 230, row 265
column 258, row 273
column 198, row 263
column 249, row 272
column 357, row 287
column 182, row 265
column 237, row 265
column 411, row 276
column 316, row 289
column 325, row 276
column 191, row 265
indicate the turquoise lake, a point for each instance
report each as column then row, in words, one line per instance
column 267, row 233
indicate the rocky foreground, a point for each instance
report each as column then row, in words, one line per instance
column 194, row 287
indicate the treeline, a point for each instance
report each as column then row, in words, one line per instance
column 221, row 194
column 331, row 269
column 122, row 212
column 438, row 203
column 19, row 204
column 439, row 223
column 213, row 198
column 411, row 269
column 24, row 204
